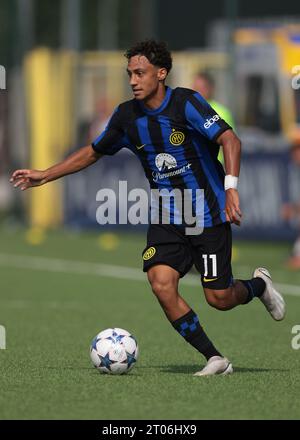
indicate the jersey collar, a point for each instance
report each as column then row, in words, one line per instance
column 162, row 105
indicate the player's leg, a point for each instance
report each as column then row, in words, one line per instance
column 166, row 259
column 221, row 291
column 164, row 282
column 212, row 257
column 243, row 291
column 239, row 292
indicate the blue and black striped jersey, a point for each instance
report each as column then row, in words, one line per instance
column 176, row 144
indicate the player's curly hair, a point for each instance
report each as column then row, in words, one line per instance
column 155, row 51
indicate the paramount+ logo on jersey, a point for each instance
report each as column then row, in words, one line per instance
column 211, row 121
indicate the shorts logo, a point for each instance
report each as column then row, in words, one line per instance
column 165, row 161
column 207, row 280
column 149, row 253
column 177, row 137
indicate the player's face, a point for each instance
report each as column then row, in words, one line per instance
column 144, row 77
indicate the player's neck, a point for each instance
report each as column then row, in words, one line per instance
column 154, row 101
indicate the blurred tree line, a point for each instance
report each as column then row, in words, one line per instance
column 28, row 23
column 45, row 28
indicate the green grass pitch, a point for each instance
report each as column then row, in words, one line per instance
column 52, row 309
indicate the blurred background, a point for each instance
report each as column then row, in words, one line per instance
column 65, row 73
column 64, row 278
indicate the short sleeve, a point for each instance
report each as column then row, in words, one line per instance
column 203, row 118
column 113, row 138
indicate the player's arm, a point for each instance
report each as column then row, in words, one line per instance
column 77, row 161
column 109, row 142
column 202, row 117
column 232, row 157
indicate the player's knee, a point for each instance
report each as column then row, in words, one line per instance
column 163, row 289
column 219, row 299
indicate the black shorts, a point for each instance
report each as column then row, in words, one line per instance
column 210, row 252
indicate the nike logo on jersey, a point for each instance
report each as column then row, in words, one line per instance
column 140, row 146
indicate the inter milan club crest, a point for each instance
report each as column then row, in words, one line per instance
column 149, row 253
column 176, row 137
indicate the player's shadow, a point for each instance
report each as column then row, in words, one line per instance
column 259, row 370
column 67, row 367
column 92, row 371
column 190, row 369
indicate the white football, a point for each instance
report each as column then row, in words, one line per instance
column 114, row 351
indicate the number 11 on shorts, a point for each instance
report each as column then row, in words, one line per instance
column 213, row 258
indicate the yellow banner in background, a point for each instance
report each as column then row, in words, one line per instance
column 48, row 79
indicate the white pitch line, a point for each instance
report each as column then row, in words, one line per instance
column 68, row 266
column 103, row 270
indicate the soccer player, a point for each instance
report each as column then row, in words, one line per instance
column 291, row 211
column 177, row 130
column 205, row 85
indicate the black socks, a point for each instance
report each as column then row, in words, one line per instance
column 189, row 327
column 255, row 287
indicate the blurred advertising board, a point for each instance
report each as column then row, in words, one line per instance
column 267, row 180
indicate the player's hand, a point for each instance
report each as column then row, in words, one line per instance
column 27, row 178
column 232, row 209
